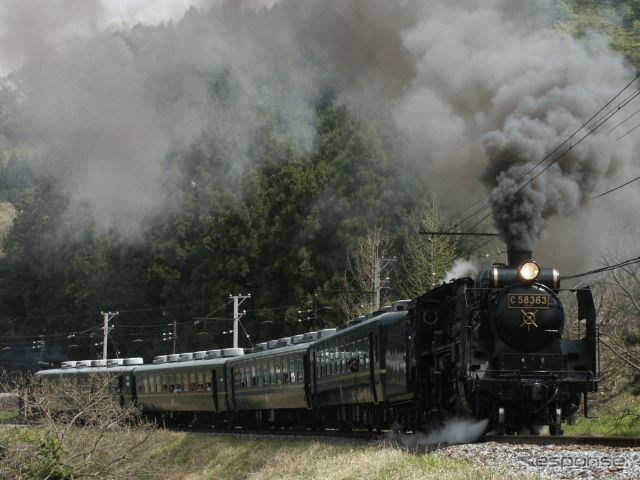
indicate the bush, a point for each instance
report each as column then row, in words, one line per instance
column 77, row 428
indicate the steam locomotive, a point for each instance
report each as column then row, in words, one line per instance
column 489, row 347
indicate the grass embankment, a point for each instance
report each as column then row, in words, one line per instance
column 619, row 417
column 199, row 456
column 8, row 407
column 196, row 456
column 8, row 415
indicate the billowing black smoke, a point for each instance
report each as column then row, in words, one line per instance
column 498, row 88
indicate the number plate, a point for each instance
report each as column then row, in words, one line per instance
column 528, row 301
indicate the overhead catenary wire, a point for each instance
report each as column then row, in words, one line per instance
column 100, row 326
column 56, row 335
column 608, row 268
column 245, row 332
column 115, row 347
column 121, row 311
column 623, row 121
column 124, row 326
column 624, row 135
column 591, row 131
column 480, row 234
column 615, row 188
column 217, row 309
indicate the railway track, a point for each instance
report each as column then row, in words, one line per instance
column 410, row 441
column 619, row 442
column 414, row 442
column 284, row 433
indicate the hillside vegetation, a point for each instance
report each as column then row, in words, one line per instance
column 617, row 19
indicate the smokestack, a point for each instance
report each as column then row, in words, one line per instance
column 516, row 257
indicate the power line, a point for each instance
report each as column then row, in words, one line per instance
column 55, row 335
column 486, row 234
column 480, row 221
column 218, row 309
column 246, row 334
column 608, row 268
column 86, row 333
column 273, row 309
column 591, row 131
column 623, row 121
column 616, row 188
column 79, row 316
column 101, row 325
column 624, row 135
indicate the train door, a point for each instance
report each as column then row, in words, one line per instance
column 214, row 389
column 232, row 388
column 120, row 388
column 227, row 389
column 315, row 374
column 133, row 387
column 307, row 379
column 372, row 365
column 410, row 348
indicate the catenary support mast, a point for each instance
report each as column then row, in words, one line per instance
column 237, row 301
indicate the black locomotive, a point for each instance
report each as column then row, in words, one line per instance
column 485, row 348
column 493, row 348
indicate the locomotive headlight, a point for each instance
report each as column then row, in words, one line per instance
column 528, row 271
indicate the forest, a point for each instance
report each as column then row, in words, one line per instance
column 246, row 201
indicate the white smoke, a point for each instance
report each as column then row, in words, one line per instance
column 461, row 268
column 454, row 431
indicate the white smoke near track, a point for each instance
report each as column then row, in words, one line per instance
column 481, row 89
column 454, row 431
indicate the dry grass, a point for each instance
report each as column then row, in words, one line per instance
column 80, row 431
column 202, row 456
column 197, row 456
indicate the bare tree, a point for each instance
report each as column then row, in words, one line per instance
column 358, row 291
column 427, row 259
column 620, row 326
column 617, row 295
column 77, row 428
